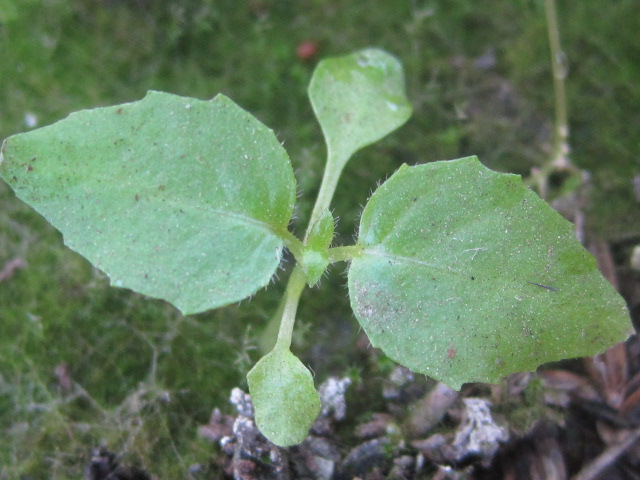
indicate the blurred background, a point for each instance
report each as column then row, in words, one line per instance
column 83, row 365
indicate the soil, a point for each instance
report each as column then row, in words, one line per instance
column 556, row 424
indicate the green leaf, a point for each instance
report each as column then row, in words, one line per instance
column 177, row 198
column 315, row 259
column 358, row 99
column 321, row 233
column 284, row 399
column 466, row 275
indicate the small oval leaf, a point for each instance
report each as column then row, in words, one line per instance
column 466, row 275
column 321, row 233
column 314, row 258
column 177, row 198
column 284, row 398
column 358, row 99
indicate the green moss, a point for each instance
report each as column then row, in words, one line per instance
column 524, row 411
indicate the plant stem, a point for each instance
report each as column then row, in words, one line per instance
column 560, row 149
column 267, row 339
column 293, row 244
column 560, row 152
column 297, row 281
column 266, row 342
column 327, row 188
column 344, row 254
column 296, row 284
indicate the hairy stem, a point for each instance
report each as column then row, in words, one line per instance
column 344, row 254
column 293, row 244
column 286, row 312
column 296, row 284
column 268, row 337
column 327, row 189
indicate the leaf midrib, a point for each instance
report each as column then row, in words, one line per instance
column 377, row 252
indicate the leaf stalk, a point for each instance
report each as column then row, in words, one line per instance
column 344, row 254
column 297, row 282
column 328, row 186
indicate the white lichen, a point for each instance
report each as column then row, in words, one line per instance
column 478, row 433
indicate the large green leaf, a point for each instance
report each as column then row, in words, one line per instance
column 466, row 275
column 284, row 399
column 177, row 198
column 358, row 99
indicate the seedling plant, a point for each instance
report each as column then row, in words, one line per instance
column 458, row 272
